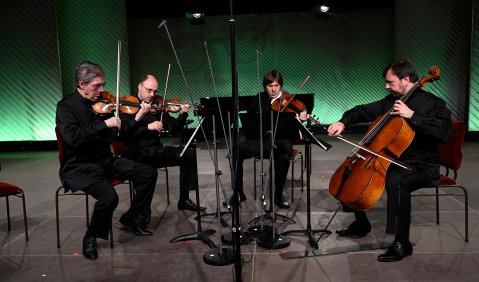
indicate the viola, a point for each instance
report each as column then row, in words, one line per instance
column 287, row 103
column 359, row 181
column 172, row 105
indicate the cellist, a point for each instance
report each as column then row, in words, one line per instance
column 430, row 119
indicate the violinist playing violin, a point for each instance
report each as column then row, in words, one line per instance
column 430, row 119
column 273, row 91
column 87, row 161
column 142, row 135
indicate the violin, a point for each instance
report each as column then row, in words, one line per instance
column 107, row 104
column 287, row 103
column 130, row 104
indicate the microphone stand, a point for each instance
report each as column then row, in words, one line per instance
column 221, row 213
column 236, row 227
column 218, row 256
column 200, row 234
column 269, row 238
column 269, row 213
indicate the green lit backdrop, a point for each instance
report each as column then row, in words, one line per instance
column 41, row 41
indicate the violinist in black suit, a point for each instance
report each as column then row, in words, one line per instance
column 142, row 134
column 88, row 162
column 262, row 103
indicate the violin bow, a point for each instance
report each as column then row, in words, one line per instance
column 118, row 82
column 164, row 94
column 398, row 163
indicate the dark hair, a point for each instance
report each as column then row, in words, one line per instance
column 402, row 68
column 271, row 76
column 87, row 71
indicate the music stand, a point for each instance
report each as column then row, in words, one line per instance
column 199, row 234
column 309, row 232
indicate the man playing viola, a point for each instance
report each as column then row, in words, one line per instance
column 262, row 103
column 142, row 135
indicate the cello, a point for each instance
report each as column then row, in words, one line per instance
column 359, row 181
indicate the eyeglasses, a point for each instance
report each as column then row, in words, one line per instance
column 149, row 90
column 99, row 85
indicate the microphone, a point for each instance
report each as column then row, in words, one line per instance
column 163, row 22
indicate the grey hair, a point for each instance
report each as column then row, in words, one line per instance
column 87, row 71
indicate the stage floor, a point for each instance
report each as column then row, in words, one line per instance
column 440, row 253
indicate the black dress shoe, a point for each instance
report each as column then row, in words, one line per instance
column 189, row 205
column 396, row 252
column 144, row 220
column 230, row 201
column 89, row 249
column 282, row 203
column 133, row 225
column 356, row 228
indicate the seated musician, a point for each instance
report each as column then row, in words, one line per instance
column 273, row 90
column 429, row 117
column 142, row 135
column 88, row 161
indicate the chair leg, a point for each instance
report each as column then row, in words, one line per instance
column 167, row 187
column 302, row 172
column 437, row 205
column 24, row 214
column 57, row 216
column 466, row 213
column 111, row 235
column 8, row 213
column 130, row 186
column 87, row 213
column 254, row 177
column 291, row 161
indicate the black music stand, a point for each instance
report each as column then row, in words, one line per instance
column 309, row 232
column 199, row 234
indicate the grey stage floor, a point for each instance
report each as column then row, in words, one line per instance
column 440, row 253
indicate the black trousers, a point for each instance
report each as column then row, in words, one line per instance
column 169, row 156
column 400, row 183
column 143, row 177
column 251, row 148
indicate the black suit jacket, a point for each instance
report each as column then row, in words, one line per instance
column 86, row 143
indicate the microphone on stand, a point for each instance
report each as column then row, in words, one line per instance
column 163, row 22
